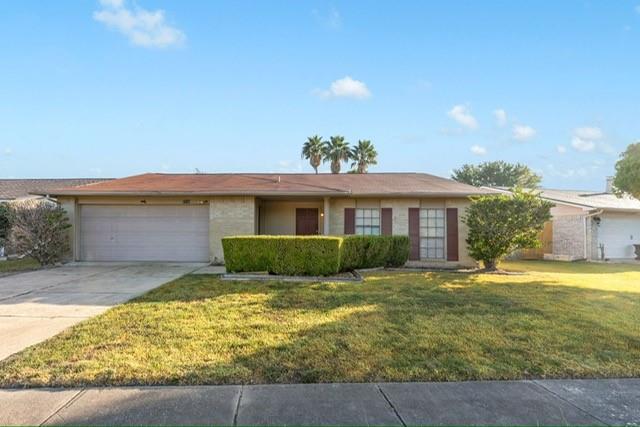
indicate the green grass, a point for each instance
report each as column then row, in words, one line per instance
column 555, row 320
column 24, row 264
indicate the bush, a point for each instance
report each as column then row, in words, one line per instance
column 399, row 253
column 5, row 226
column 39, row 230
column 285, row 255
column 313, row 255
column 501, row 224
column 374, row 251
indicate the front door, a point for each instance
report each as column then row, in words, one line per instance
column 306, row 221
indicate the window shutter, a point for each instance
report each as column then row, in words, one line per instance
column 386, row 225
column 414, row 233
column 452, row 234
column 349, row 221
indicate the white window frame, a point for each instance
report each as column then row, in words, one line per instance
column 433, row 230
column 368, row 221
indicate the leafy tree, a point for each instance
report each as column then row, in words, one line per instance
column 336, row 151
column 497, row 174
column 627, row 179
column 363, row 155
column 312, row 150
column 40, row 230
column 501, row 224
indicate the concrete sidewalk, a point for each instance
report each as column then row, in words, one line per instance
column 544, row 402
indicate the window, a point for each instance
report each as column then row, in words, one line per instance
column 432, row 233
column 368, row 221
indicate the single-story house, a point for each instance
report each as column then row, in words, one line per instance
column 25, row 189
column 183, row 217
column 591, row 225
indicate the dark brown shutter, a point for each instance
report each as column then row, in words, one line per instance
column 349, row 221
column 414, row 233
column 452, row 234
column 386, row 221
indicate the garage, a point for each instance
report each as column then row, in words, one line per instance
column 144, row 233
column 618, row 232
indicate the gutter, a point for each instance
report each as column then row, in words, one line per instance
column 258, row 193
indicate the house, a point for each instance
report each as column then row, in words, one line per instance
column 591, row 225
column 183, row 217
column 24, row 189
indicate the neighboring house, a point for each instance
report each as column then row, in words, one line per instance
column 591, row 225
column 23, row 189
column 183, row 217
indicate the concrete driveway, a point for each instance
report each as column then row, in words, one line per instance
column 37, row 305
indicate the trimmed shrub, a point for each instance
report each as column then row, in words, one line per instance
column 399, row 253
column 374, row 251
column 285, row 255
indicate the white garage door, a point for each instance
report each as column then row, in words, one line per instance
column 618, row 233
column 144, row 233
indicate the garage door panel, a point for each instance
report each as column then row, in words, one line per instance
column 618, row 233
column 144, row 233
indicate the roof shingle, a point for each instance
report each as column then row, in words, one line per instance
column 371, row 184
column 11, row 189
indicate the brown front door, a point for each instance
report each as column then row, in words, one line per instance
column 306, row 221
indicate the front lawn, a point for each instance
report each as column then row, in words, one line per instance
column 15, row 265
column 555, row 320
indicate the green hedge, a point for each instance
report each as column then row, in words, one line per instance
column 313, row 255
column 285, row 255
column 374, row 251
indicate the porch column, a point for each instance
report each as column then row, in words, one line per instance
column 326, row 210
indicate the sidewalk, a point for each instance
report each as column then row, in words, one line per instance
column 545, row 402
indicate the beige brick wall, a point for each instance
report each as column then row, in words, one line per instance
column 400, row 226
column 568, row 237
column 400, row 214
column 229, row 216
column 336, row 218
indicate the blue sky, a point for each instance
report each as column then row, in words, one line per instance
column 116, row 88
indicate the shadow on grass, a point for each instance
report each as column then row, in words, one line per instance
column 454, row 328
column 392, row 327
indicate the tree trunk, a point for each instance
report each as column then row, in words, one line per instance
column 490, row 264
column 335, row 167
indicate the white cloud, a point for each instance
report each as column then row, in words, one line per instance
column 638, row 9
column 142, row 27
column 501, row 117
column 478, row 150
column 8, row 151
column 584, row 138
column 345, row 87
column 462, row 115
column 589, row 133
column 332, row 19
column 582, row 144
column 523, row 132
column 561, row 149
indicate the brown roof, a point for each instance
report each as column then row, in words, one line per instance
column 11, row 189
column 371, row 184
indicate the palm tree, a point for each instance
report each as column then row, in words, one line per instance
column 336, row 151
column 363, row 155
column 312, row 150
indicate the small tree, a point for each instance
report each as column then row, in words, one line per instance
column 627, row 178
column 40, row 230
column 501, row 224
column 497, row 174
